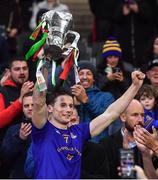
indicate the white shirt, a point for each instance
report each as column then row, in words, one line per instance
column 44, row 5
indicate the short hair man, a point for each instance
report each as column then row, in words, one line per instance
column 15, row 142
column 12, row 92
column 56, row 147
column 131, row 117
column 27, row 105
column 93, row 157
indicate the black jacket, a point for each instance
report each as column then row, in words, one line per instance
column 112, row 146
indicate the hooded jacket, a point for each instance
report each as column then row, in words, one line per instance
column 10, row 106
column 98, row 102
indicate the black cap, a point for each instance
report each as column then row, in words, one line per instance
column 152, row 64
column 87, row 65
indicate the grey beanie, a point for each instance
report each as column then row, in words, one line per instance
column 87, row 65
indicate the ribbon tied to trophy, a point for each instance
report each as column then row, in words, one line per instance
column 59, row 43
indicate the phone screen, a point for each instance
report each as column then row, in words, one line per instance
column 127, row 164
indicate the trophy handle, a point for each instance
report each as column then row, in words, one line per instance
column 76, row 39
column 70, row 42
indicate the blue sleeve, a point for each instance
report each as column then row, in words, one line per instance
column 85, row 131
column 39, row 134
column 29, row 166
column 11, row 144
column 98, row 104
column 82, row 130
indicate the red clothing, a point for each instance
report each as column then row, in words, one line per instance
column 8, row 114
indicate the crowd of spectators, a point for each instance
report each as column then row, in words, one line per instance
column 77, row 132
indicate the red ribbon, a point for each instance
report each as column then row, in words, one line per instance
column 67, row 67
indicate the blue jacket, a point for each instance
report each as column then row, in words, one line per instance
column 97, row 104
column 13, row 152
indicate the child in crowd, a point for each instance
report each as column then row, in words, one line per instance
column 147, row 95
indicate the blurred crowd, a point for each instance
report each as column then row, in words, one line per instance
column 123, row 39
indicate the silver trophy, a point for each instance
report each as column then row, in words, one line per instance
column 58, row 23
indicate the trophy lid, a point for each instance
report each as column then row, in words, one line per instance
column 55, row 18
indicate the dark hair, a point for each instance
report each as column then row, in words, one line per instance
column 28, row 94
column 147, row 90
column 52, row 96
column 39, row 14
column 102, row 64
column 15, row 58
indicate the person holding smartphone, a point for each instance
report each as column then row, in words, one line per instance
column 110, row 67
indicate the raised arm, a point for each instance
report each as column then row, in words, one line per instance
column 39, row 116
column 115, row 109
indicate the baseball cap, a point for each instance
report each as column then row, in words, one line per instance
column 152, row 64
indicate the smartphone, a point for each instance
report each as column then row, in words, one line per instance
column 127, row 164
column 116, row 70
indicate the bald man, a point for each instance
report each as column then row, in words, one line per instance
column 132, row 116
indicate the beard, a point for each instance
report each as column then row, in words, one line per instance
column 131, row 129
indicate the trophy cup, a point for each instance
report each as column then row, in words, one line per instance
column 61, row 45
column 58, row 24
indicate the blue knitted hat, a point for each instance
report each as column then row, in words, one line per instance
column 111, row 48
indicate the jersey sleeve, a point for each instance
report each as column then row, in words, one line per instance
column 39, row 134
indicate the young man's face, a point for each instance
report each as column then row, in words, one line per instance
column 74, row 118
column 86, row 78
column 19, row 72
column 62, row 109
column 147, row 102
column 27, row 106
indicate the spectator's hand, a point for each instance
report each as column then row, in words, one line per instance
column 119, row 76
column 111, row 76
column 76, row 102
column 137, row 78
column 115, row 76
column 126, row 9
column 140, row 172
column 5, row 76
column 144, row 137
column 144, row 149
column 25, row 130
column 12, row 33
column 26, row 87
column 79, row 92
